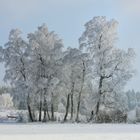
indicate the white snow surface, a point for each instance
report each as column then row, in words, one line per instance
column 10, row 130
column 66, row 128
column 49, row 131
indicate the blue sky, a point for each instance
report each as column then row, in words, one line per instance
column 67, row 18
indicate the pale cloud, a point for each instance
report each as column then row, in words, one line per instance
column 129, row 7
column 26, row 8
column 34, row 6
column 18, row 8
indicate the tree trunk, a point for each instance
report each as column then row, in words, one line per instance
column 44, row 108
column 71, row 106
column 67, row 107
column 80, row 93
column 40, row 112
column 72, row 91
column 91, row 116
column 40, row 108
column 45, row 101
column 44, row 119
column 46, row 111
column 78, row 106
column 99, row 94
column 100, row 82
column 29, row 109
column 78, row 109
column 52, row 109
column 30, row 113
column 52, row 112
column 97, row 107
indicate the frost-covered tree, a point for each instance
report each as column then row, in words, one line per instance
column 4, row 89
column 6, row 101
column 16, row 64
column 111, row 66
column 74, row 72
column 46, row 54
column 69, row 78
column 133, row 99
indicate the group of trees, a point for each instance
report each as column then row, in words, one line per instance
column 47, row 78
column 6, row 101
column 133, row 99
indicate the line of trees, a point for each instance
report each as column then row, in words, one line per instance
column 47, row 78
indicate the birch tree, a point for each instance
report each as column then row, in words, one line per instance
column 111, row 66
column 16, row 64
column 46, row 56
column 74, row 63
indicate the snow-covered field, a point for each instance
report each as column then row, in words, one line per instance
column 70, row 131
column 10, row 130
column 68, row 128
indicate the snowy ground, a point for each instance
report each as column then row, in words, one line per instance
column 9, row 130
column 70, row 131
column 68, row 128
